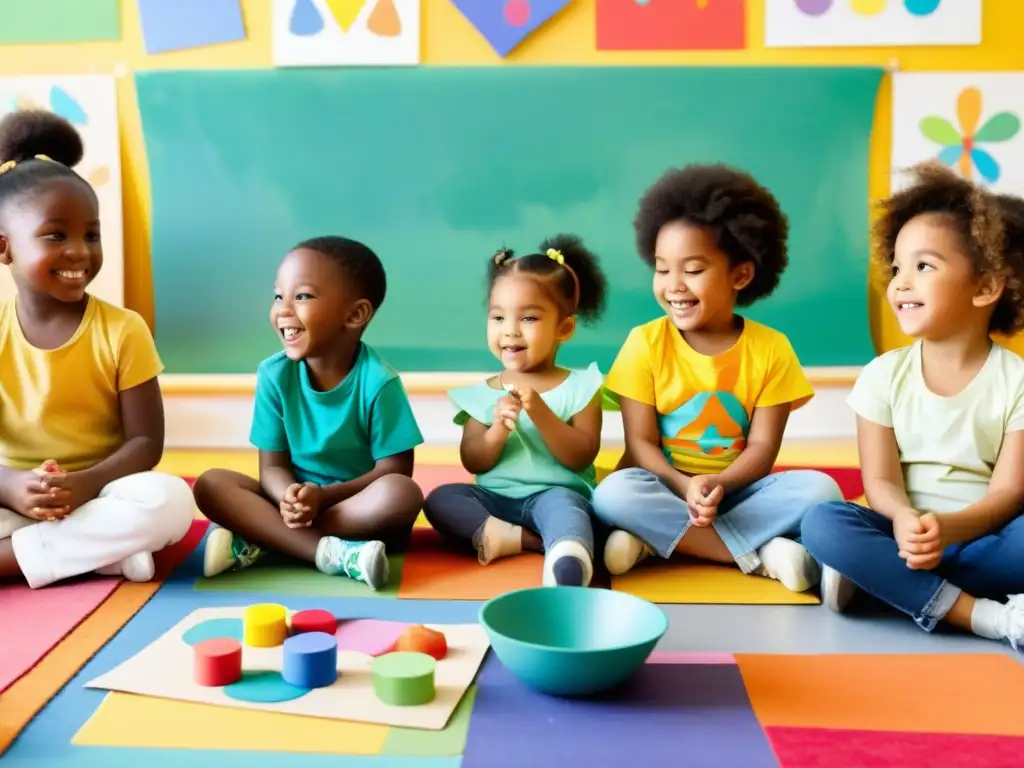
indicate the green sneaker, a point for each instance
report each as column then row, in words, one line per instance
column 364, row 561
column 227, row 552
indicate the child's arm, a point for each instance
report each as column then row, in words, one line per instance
column 767, row 426
column 1000, row 505
column 399, row 464
column 574, row 444
column 276, row 474
column 881, row 470
column 142, row 421
column 643, row 443
column 481, row 445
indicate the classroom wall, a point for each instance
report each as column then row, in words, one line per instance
column 450, row 40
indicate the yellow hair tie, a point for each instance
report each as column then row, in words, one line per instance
column 556, row 255
column 10, row 164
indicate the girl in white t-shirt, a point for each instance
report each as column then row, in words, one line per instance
column 940, row 423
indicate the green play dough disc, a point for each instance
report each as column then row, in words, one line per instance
column 404, row 679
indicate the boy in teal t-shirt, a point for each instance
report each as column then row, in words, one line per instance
column 333, row 426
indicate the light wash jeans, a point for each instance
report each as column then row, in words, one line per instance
column 638, row 502
column 858, row 543
column 459, row 510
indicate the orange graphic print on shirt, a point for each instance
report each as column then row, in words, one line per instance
column 709, row 429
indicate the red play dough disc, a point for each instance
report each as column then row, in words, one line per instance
column 314, row 621
column 218, row 662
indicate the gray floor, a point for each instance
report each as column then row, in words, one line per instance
column 797, row 629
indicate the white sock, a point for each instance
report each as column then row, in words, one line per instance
column 496, row 539
column 567, row 548
column 788, row 562
column 988, row 619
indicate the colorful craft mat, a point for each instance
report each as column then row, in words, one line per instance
column 22, row 700
column 32, row 621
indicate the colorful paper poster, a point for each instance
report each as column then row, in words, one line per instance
column 844, row 23
column 59, row 21
column 506, row 23
column 664, row 25
column 968, row 121
column 175, row 25
column 89, row 102
column 319, row 33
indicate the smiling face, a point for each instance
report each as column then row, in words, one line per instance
column 525, row 325
column 314, row 307
column 935, row 290
column 693, row 279
column 50, row 238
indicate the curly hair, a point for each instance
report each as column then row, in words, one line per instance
column 990, row 226
column 578, row 282
column 743, row 215
column 28, row 133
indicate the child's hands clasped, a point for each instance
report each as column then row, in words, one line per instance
column 300, row 504
column 919, row 538
column 506, row 412
column 49, row 493
column 703, row 495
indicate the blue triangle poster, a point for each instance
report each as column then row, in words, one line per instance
column 506, row 23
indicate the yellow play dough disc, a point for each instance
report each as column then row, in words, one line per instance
column 264, row 625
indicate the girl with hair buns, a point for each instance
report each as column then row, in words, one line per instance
column 532, row 432
column 81, row 415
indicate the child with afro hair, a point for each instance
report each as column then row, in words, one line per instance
column 940, row 423
column 706, row 393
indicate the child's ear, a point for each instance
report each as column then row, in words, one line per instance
column 742, row 275
column 5, row 251
column 989, row 291
column 566, row 329
column 359, row 314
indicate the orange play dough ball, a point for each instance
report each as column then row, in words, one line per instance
column 420, row 639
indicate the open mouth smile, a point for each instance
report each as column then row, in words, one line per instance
column 292, row 335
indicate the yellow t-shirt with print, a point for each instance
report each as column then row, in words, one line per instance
column 705, row 404
column 62, row 403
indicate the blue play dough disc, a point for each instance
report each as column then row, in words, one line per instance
column 212, row 629
column 264, row 687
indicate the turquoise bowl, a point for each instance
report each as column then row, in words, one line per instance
column 572, row 641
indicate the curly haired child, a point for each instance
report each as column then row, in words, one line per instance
column 81, row 414
column 531, row 433
column 940, row 423
column 706, row 393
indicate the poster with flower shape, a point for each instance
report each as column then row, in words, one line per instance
column 846, row 23
column 970, row 122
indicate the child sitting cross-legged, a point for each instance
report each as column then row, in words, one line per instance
column 940, row 422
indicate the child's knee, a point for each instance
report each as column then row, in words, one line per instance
column 813, row 486
column 820, row 527
column 210, row 486
column 401, row 497
column 616, row 496
column 157, row 507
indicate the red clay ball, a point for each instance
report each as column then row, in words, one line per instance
column 218, row 662
column 421, row 639
column 314, row 621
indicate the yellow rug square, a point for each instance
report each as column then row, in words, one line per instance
column 679, row 582
column 127, row 720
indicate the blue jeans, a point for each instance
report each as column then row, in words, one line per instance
column 637, row 501
column 858, row 543
column 459, row 510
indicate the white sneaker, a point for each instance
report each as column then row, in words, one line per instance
column 788, row 562
column 138, row 567
column 1013, row 622
column 623, row 551
column 836, row 590
column 224, row 551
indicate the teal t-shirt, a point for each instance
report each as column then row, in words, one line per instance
column 526, row 466
column 338, row 435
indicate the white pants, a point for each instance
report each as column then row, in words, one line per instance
column 138, row 513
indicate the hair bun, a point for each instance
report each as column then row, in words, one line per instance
column 502, row 255
column 27, row 133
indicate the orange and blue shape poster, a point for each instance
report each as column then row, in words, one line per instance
column 670, row 25
column 506, row 23
column 844, row 23
column 969, row 121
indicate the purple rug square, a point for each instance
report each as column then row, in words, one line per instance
column 664, row 715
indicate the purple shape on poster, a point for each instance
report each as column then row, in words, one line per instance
column 664, row 716
column 506, row 23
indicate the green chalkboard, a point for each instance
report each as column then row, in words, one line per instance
column 435, row 168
